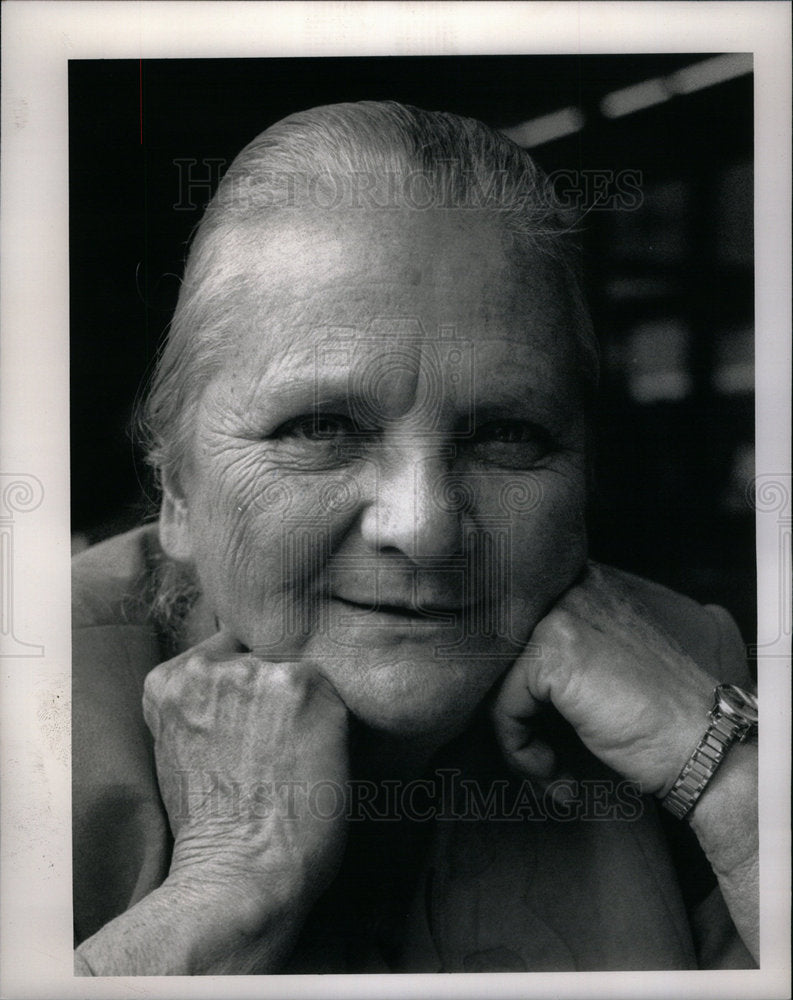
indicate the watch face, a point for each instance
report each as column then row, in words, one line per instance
column 736, row 703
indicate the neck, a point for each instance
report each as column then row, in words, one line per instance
column 378, row 756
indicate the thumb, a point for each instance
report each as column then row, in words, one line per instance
column 515, row 713
column 221, row 645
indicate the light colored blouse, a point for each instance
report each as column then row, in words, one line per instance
column 629, row 891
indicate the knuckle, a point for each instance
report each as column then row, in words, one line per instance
column 279, row 676
column 235, row 678
column 196, row 664
column 151, row 706
column 560, row 626
column 153, row 685
column 291, row 683
column 238, row 671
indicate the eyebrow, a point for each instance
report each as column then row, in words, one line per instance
column 296, row 379
column 291, row 377
column 549, row 414
column 295, row 391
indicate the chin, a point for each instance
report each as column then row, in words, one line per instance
column 417, row 698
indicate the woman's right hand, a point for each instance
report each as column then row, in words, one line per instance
column 240, row 743
column 252, row 765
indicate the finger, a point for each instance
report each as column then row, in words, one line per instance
column 288, row 649
column 151, row 714
column 514, row 714
column 562, row 788
column 221, row 645
column 535, row 759
column 513, row 701
column 224, row 645
column 324, row 686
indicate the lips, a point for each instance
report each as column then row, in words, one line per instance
column 399, row 608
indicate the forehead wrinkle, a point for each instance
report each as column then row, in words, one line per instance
column 292, row 296
column 287, row 361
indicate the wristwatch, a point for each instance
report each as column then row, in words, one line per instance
column 733, row 719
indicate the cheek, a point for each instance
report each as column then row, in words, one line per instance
column 235, row 516
column 549, row 549
column 259, row 536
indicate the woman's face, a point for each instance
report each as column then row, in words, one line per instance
column 387, row 475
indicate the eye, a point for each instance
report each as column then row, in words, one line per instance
column 514, row 443
column 509, row 432
column 320, row 427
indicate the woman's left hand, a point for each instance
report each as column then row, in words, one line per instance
column 636, row 700
column 640, row 704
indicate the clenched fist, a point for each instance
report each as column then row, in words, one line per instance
column 635, row 699
column 239, row 743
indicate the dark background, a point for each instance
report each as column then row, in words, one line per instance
column 670, row 281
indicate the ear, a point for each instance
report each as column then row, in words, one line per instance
column 175, row 535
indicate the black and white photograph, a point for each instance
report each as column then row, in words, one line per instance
column 424, row 590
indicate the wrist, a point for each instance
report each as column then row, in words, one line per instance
column 234, row 892
column 732, row 720
column 725, row 818
column 179, row 929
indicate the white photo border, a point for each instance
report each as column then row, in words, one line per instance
column 39, row 39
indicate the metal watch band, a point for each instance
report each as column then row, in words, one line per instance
column 732, row 719
column 700, row 767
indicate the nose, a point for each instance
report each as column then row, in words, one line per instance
column 409, row 510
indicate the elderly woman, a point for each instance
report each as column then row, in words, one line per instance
column 360, row 702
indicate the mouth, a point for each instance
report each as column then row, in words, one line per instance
column 405, row 612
